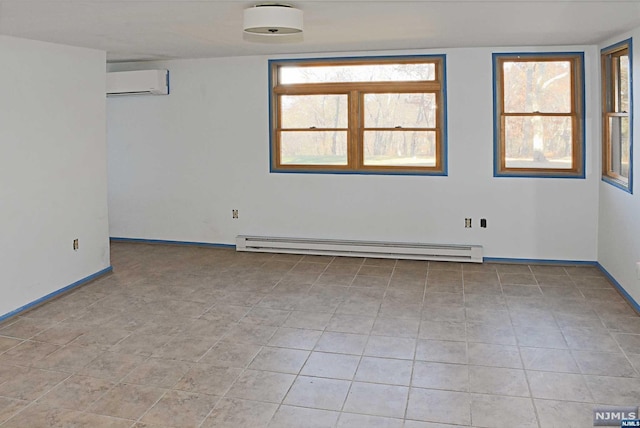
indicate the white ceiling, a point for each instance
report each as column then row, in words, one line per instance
column 157, row 29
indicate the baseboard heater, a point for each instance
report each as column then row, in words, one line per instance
column 334, row 247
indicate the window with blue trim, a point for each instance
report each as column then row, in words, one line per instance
column 539, row 115
column 617, row 123
column 359, row 115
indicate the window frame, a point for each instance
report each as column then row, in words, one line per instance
column 577, row 115
column 356, row 92
column 606, row 54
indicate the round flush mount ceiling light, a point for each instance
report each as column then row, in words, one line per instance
column 272, row 19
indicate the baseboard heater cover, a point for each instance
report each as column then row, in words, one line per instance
column 335, row 247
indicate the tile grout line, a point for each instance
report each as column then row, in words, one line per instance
column 364, row 349
column 526, row 375
column 466, row 343
column 279, row 405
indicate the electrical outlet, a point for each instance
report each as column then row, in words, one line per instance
column 483, row 222
column 75, row 244
column 467, row 223
column 234, row 213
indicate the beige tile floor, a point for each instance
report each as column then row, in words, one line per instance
column 200, row 337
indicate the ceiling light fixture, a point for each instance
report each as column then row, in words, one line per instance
column 273, row 19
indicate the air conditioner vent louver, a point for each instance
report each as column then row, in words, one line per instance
column 333, row 247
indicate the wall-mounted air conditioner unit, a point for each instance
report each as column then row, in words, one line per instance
column 140, row 82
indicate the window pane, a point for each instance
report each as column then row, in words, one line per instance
column 313, row 148
column 357, row 73
column 308, row 111
column 405, row 110
column 400, row 148
column 537, row 86
column 620, row 145
column 329, row 114
column 624, row 84
column 538, row 142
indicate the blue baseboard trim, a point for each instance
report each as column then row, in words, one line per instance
column 541, row 261
column 616, row 284
column 165, row 242
column 56, row 293
column 620, row 288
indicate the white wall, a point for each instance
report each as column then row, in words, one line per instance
column 179, row 164
column 619, row 227
column 52, row 168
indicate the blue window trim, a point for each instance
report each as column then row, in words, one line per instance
column 445, row 134
column 615, row 183
column 496, row 118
